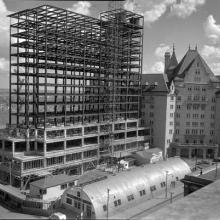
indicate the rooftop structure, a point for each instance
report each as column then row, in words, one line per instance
column 74, row 91
column 202, row 204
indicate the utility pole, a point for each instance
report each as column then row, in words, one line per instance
column 216, row 166
column 171, row 197
column 81, row 206
column 10, row 171
column 166, row 183
column 196, row 158
column 107, row 202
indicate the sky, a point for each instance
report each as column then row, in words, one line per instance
column 167, row 22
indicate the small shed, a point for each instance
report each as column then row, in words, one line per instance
column 152, row 155
column 127, row 162
column 52, row 187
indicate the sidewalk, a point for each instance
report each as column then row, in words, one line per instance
column 140, row 208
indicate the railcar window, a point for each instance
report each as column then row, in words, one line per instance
column 105, row 208
column 152, row 188
column 130, row 197
column 142, row 192
column 117, row 202
column 163, row 184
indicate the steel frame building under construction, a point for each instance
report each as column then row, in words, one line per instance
column 74, row 91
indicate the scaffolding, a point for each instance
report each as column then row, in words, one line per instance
column 61, row 62
column 74, row 87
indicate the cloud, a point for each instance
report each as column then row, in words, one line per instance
column 185, row 8
column 158, row 67
column 212, row 29
column 4, row 25
column 215, row 68
column 155, row 13
column 153, row 10
column 160, row 51
column 210, row 51
column 4, row 64
column 81, row 7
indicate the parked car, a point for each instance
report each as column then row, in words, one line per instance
column 216, row 159
column 57, row 216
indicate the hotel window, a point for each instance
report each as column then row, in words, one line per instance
column 213, row 99
column 201, row 131
column 179, row 98
column 178, row 115
column 202, row 124
column 194, row 131
column 171, row 115
column 151, row 114
column 178, row 106
column 203, row 107
column 171, row 123
column 212, row 108
column 187, row 131
column 177, row 131
column 188, row 115
column 188, row 106
column 189, row 88
column 212, row 116
column 211, row 132
column 171, row 106
column 170, row 131
column 203, row 98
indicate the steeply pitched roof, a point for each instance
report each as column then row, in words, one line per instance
column 187, row 62
column 55, row 180
column 156, row 78
column 173, row 61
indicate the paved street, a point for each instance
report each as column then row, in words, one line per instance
column 8, row 214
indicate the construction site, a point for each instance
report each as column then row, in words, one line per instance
column 75, row 90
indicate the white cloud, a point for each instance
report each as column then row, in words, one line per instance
column 81, row 7
column 160, row 51
column 4, row 25
column 4, row 64
column 155, row 13
column 215, row 68
column 212, row 29
column 185, row 8
column 158, row 67
column 155, row 9
column 210, row 51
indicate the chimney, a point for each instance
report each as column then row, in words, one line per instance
column 167, row 61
